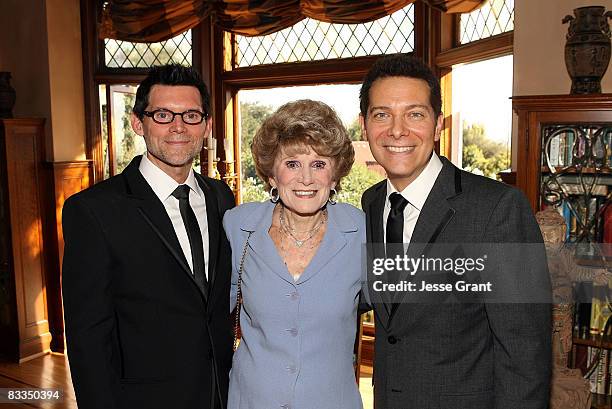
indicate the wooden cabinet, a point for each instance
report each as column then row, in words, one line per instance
column 564, row 140
column 534, row 114
column 24, row 326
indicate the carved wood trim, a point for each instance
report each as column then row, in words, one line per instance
column 495, row 46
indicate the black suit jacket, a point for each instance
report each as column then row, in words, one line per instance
column 462, row 355
column 140, row 332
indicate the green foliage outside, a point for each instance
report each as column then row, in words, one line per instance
column 252, row 116
column 354, row 130
column 128, row 144
column 253, row 191
column 355, row 183
column 483, row 155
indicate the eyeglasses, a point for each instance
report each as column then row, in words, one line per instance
column 165, row 116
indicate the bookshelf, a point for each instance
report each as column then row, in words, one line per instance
column 538, row 114
column 564, row 146
column 565, row 160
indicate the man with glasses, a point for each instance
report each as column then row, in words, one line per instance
column 146, row 270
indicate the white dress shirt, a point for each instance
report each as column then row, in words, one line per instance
column 416, row 193
column 163, row 186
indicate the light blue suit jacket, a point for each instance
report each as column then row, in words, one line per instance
column 297, row 336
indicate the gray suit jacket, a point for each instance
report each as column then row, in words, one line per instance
column 462, row 356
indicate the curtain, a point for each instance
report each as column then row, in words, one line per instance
column 158, row 20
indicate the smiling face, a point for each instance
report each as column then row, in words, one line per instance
column 401, row 127
column 173, row 146
column 303, row 180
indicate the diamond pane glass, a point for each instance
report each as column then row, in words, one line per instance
column 123, row 54
column 312, row 40
column 494, row 17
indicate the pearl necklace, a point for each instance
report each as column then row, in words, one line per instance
column 290, row 231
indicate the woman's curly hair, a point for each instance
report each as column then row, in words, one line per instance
column 297, row 127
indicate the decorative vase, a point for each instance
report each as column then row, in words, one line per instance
column 587, row 50
column 7, row 95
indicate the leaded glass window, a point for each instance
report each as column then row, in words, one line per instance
column 312, row 40
column 494, row 17
column 124, row 54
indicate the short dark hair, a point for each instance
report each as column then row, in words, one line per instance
column 400, row 65
column 171, row 74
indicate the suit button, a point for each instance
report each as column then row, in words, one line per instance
column 392, row 339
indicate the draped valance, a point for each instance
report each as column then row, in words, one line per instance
column 158, row 20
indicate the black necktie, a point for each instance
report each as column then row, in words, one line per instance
column 193, row 233
column 395, row 237
column 395, row 221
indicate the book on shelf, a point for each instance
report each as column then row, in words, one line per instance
column 567, row 215
column 607, row 225
column 601, row 380
column 600, row 310
column 608, row 377
column 584, row 295
column 569, row 147
column 578, row 189
column 593, row 217
column 553, row 151
column 593, row 375
column 560, row 149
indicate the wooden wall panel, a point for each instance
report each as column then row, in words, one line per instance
column 65, row 179
column 23, row 142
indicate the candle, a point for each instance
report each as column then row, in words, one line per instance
column 210, row 155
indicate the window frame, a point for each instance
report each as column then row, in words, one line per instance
column 452, row 52
column 333, row 71
column 209, row 58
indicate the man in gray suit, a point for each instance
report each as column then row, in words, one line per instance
column 475, row 355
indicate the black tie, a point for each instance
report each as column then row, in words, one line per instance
column 395, row 236
column 193, row 233
column 395, row 221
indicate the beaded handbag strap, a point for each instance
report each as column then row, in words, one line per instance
column 239, row 293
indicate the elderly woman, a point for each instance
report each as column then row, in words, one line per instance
column 301, row 271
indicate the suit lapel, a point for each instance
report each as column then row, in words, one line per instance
column 333, row 241
column 141, row 195
column 437, row 212
column 433, row 219
column 375, row 240
column 260, row 242
column 213, row 221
